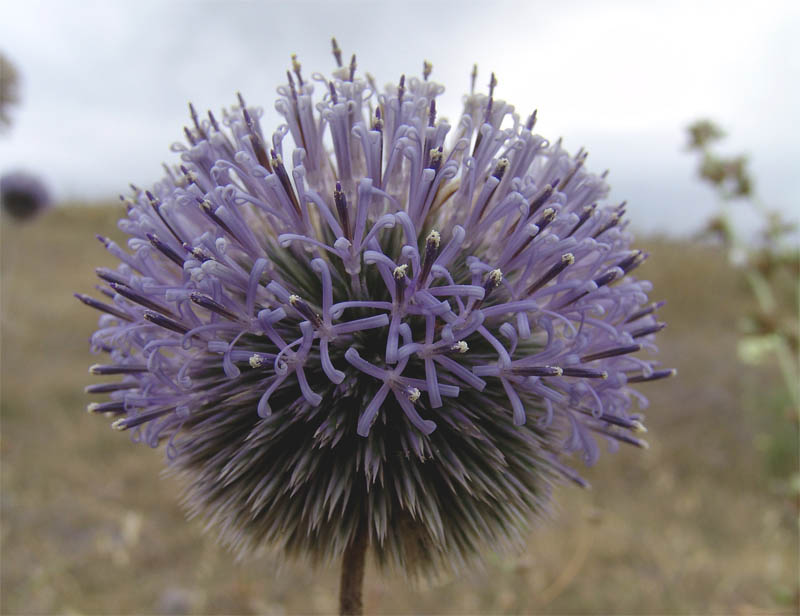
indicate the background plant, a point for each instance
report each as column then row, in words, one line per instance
column 768, row 261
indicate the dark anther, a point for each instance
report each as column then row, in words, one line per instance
column 566, row 260
column 401, row 89
column 586, row 214
column 612, row 222
column 400, row 280
column 332, row 89
column 156, row 205
column 109, row 275
column 500, row 169
column 655, row 376
column 585, row 373
column 248, row 120
column 622, row 437
column 622, row 422
column 646, row 331
column 537, row 370
column 165, row 322
column 208, row 209
column 601, row 281
column 623, row 350
column 107, row 292
column 133, row 296
column 610, row 276
column 644, row 312
column 305, row 310
column 103, row 369
column 131, row 422
column 377, row 123
column 196, row 121
column 548, row 216
column 261, row 152
column 580, row 158
column 204, row 301
column 632, row 262
column 255, row 138
column 107, row 388
column 337, row 53
column 165, row 249
column 189, row 137
column 432, row 113
column 492, row 281
column 431, row 252
column 112, row 310
column 473, row 76
column 280, row 171
column 427, row 67
column 340, row 200
column 540, row 199
column 190, row 177
column 490, row 104
column 531, row 120
column 213, row 121
column 116, row 407
column 436, row 157
column 197, row 253
column 352, row 67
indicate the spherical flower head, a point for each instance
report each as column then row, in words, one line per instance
column 372, row 323
column 23, row 195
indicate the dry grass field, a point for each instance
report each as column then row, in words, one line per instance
column 701, row 523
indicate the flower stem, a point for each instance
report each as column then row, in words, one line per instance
column 352, row 579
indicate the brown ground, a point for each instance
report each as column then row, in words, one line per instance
column 694, row 525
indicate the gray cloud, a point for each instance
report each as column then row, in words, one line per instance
column 105, row 85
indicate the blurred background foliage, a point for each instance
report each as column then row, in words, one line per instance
column 768, row 263
column 703, row 522
column 9, row 90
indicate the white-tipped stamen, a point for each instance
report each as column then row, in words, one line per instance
column 461, row 346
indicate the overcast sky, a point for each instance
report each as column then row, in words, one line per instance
column 105, row 84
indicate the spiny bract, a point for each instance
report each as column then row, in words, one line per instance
column 392, row 327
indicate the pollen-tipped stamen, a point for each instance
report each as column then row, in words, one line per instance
column 431, row 252
column 566, row 260
column 305, row 310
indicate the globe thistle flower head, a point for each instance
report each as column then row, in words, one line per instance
column 371, row 323
column 23, row 195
